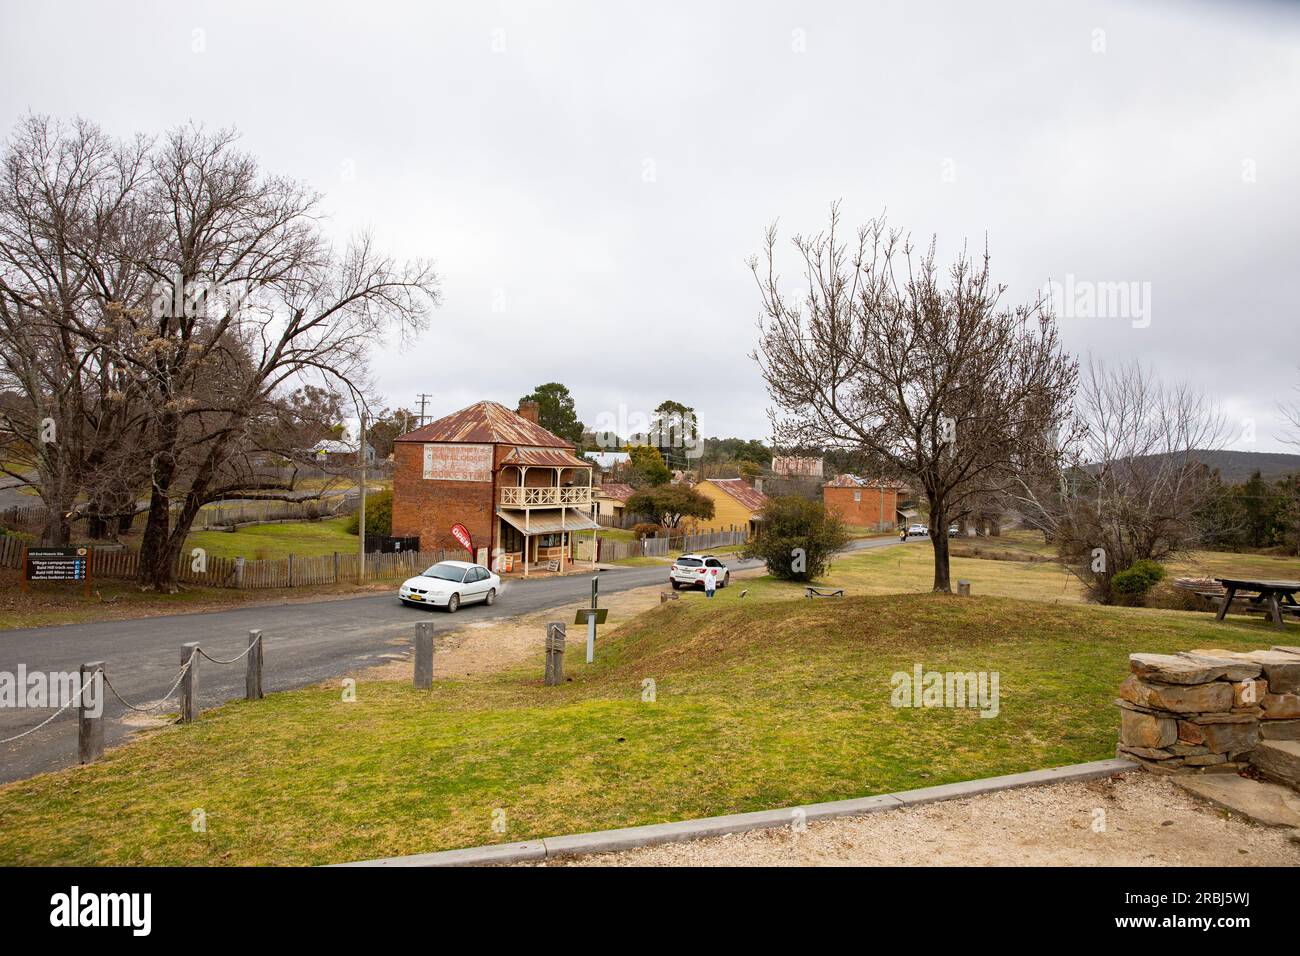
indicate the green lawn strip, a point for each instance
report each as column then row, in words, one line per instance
column 761, row 704
column 258, row 542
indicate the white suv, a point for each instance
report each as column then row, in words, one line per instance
column 690, row 569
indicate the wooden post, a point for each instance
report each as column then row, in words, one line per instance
column 239, row 572
column 90, row 729
column 963, row 588
column 336, row 567
column 554, row 654
column 290, row 570
column 190, row 683
column 424, row 655
column 253, row 676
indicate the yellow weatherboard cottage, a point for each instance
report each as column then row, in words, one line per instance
column 735, row 504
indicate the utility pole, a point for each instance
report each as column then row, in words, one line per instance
column 423, row 397
column 361, row 508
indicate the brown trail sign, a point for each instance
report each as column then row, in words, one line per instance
column 57, row 564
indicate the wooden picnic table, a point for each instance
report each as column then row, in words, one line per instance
column 1270, row 596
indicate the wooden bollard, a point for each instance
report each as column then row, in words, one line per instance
column 90, row 728
column 963, row 588
column 424, row 655
column 190, row 683
column 554, row 654
column 253, row 676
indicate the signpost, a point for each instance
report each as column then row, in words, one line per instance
column 57, row 564
column 592, row 615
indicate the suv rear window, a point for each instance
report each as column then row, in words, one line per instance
column 689, row 562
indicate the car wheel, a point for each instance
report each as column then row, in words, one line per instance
column 453, row 604
column 676, row 585
column 726, row 579
column 491, row 597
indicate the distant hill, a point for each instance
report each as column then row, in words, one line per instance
column 1237, row 466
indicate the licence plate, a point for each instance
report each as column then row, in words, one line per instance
column 414, row 597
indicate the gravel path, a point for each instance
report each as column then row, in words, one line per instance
column 1140, row 820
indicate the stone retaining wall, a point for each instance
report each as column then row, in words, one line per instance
column 1205, row 711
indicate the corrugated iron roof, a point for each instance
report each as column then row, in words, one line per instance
column 549, row 522
column 487, row 422
column 616, row 490
column 740, row 490
column 547, row 457
column 853, row 481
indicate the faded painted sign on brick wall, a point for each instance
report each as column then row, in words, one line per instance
column 457, row 462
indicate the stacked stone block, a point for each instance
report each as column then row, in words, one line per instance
column 1205, row 711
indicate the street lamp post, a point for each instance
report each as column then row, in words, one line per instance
column 361, row 507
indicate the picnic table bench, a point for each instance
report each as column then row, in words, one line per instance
column 1275, row 598
column 811, row 592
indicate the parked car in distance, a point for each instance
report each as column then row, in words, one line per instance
column 953, row 530
column 917, row 530
column 690, row 570
column 450, row 584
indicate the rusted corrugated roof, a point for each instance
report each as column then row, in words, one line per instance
column 616, row 490
column 487, row 422
column 547, row 457
column 853, row 481
column 741, row 491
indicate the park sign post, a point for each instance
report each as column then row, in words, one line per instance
column 461, row 534
column 57, row 564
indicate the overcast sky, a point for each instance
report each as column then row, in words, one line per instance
column 590, row 178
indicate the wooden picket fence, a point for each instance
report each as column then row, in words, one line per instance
column 23, row 517
column 663, row 547
column 11, row 550
column 209, row 571
column 226, row 513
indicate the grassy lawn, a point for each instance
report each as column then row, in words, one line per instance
column 258, row 542
column 762, row 702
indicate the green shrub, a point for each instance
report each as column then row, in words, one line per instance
column 796, row 538
column 379, row 515
column 1136, row 580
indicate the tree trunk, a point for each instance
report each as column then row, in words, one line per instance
column 939, row 541
column 55, row 533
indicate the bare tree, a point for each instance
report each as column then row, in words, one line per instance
column 932, row 377
column 62, row 198
column 1134, row 483
column 166, row 302
column 253, row 301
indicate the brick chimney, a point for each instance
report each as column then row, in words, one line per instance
column 529, row 410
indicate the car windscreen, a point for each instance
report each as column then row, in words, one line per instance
column 689, row 562
column 445, row 572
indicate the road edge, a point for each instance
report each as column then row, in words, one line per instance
column 609, row 841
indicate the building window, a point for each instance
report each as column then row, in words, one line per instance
column 857, row 496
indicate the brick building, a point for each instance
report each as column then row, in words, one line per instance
column 864, row 503
column 519, row 490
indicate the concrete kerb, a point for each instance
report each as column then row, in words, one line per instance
column 609, row 841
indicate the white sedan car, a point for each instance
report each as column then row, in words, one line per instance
column 450, row 584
